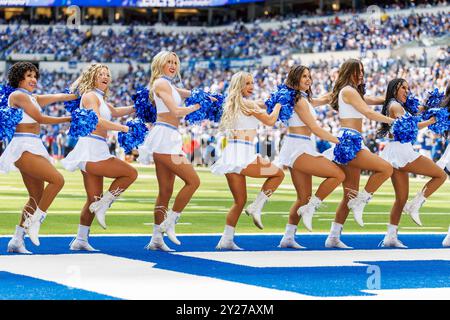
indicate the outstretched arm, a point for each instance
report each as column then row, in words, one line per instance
column 47, row 99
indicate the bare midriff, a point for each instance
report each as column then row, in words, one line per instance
column 352, row 123
column 34, row 128
column 246, row 135
column 169, row 118
column 303, row 130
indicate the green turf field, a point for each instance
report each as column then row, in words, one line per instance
column 132, row 213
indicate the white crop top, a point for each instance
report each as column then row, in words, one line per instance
column 161, row 106
column 105, row 113
column 295, row 120
column 347, row 111
column 244, row 122
column 26, row 118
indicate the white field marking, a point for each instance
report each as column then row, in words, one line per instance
column 325, row 258
column 222, row 211
column 421, row 228
column 249, row 234
column 406, row 294
column 146, row 176
column 132, row 279
column 179, row 223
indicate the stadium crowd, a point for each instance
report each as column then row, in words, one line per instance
column 242, row 42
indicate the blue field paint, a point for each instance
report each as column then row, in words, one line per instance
column 323, row 281
column 19, row 287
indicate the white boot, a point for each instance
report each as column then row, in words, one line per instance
column 32, row 224
column 412, row 207
column 357, row 204
column 391, row 239
column 446, row 242
column 17, row 243
column 334, row 239
column 81, row 242
column 168, row 226
column 255, row 208
column 288, row 240
column 307, row 211
column 102, row 204
column 157, row 241
column 226, row 241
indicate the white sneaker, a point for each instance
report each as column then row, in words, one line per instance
column 81, row 245
column 101, row 205
column 307, row 211
column 32, row 224
column 227, row 244
column 158, row 244
column 357, row 204
column 392, row 242
column 289, row 242
column 17, row 246
column 168, row 227
column 335, row 242
column 255, row 208
column 412, row 208
column 446, row 242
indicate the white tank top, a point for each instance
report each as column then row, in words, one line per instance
column 104, row 111
column 347, row 111
column 161, row 106
column 295, row 120
column 26, row 118
column 244, row 122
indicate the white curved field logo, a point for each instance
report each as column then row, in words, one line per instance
column 74, row 19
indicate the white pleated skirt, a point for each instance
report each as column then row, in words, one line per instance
column 294, row 145
column 236, row 156
column 91, row 148
column 444, row 161
column 399, row 154
column 20, row 143
column 329, row 153
column 163, row 138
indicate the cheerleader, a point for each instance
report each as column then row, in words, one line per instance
column 26, row 153
column 163, row 145
column 91, row 153
column 444, row 162
column 239, row 159
column 347, row 98
column 298, row 152
column 405, row 159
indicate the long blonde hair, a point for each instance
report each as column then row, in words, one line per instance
column 86, row 81
column 235, row 103
column 157, row 68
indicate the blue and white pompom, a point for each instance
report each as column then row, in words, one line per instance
column 412, row 104
column 134, row 137
column 349, row 145
column 284, row 96
column 405, row 129
column 205, row 102
column 145, row 110
column 9, row 117
column 214, row 113
column 442, row 119
column 271, row 101
column 71, row 105
column 83, row 122
column 434, row 99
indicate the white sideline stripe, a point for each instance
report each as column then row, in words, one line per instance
column 223, row 210
column 132, row 279
column 179, row 223
column 326, row 258
column 248, row 234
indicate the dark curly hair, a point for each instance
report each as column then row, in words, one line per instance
column 17, row 72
